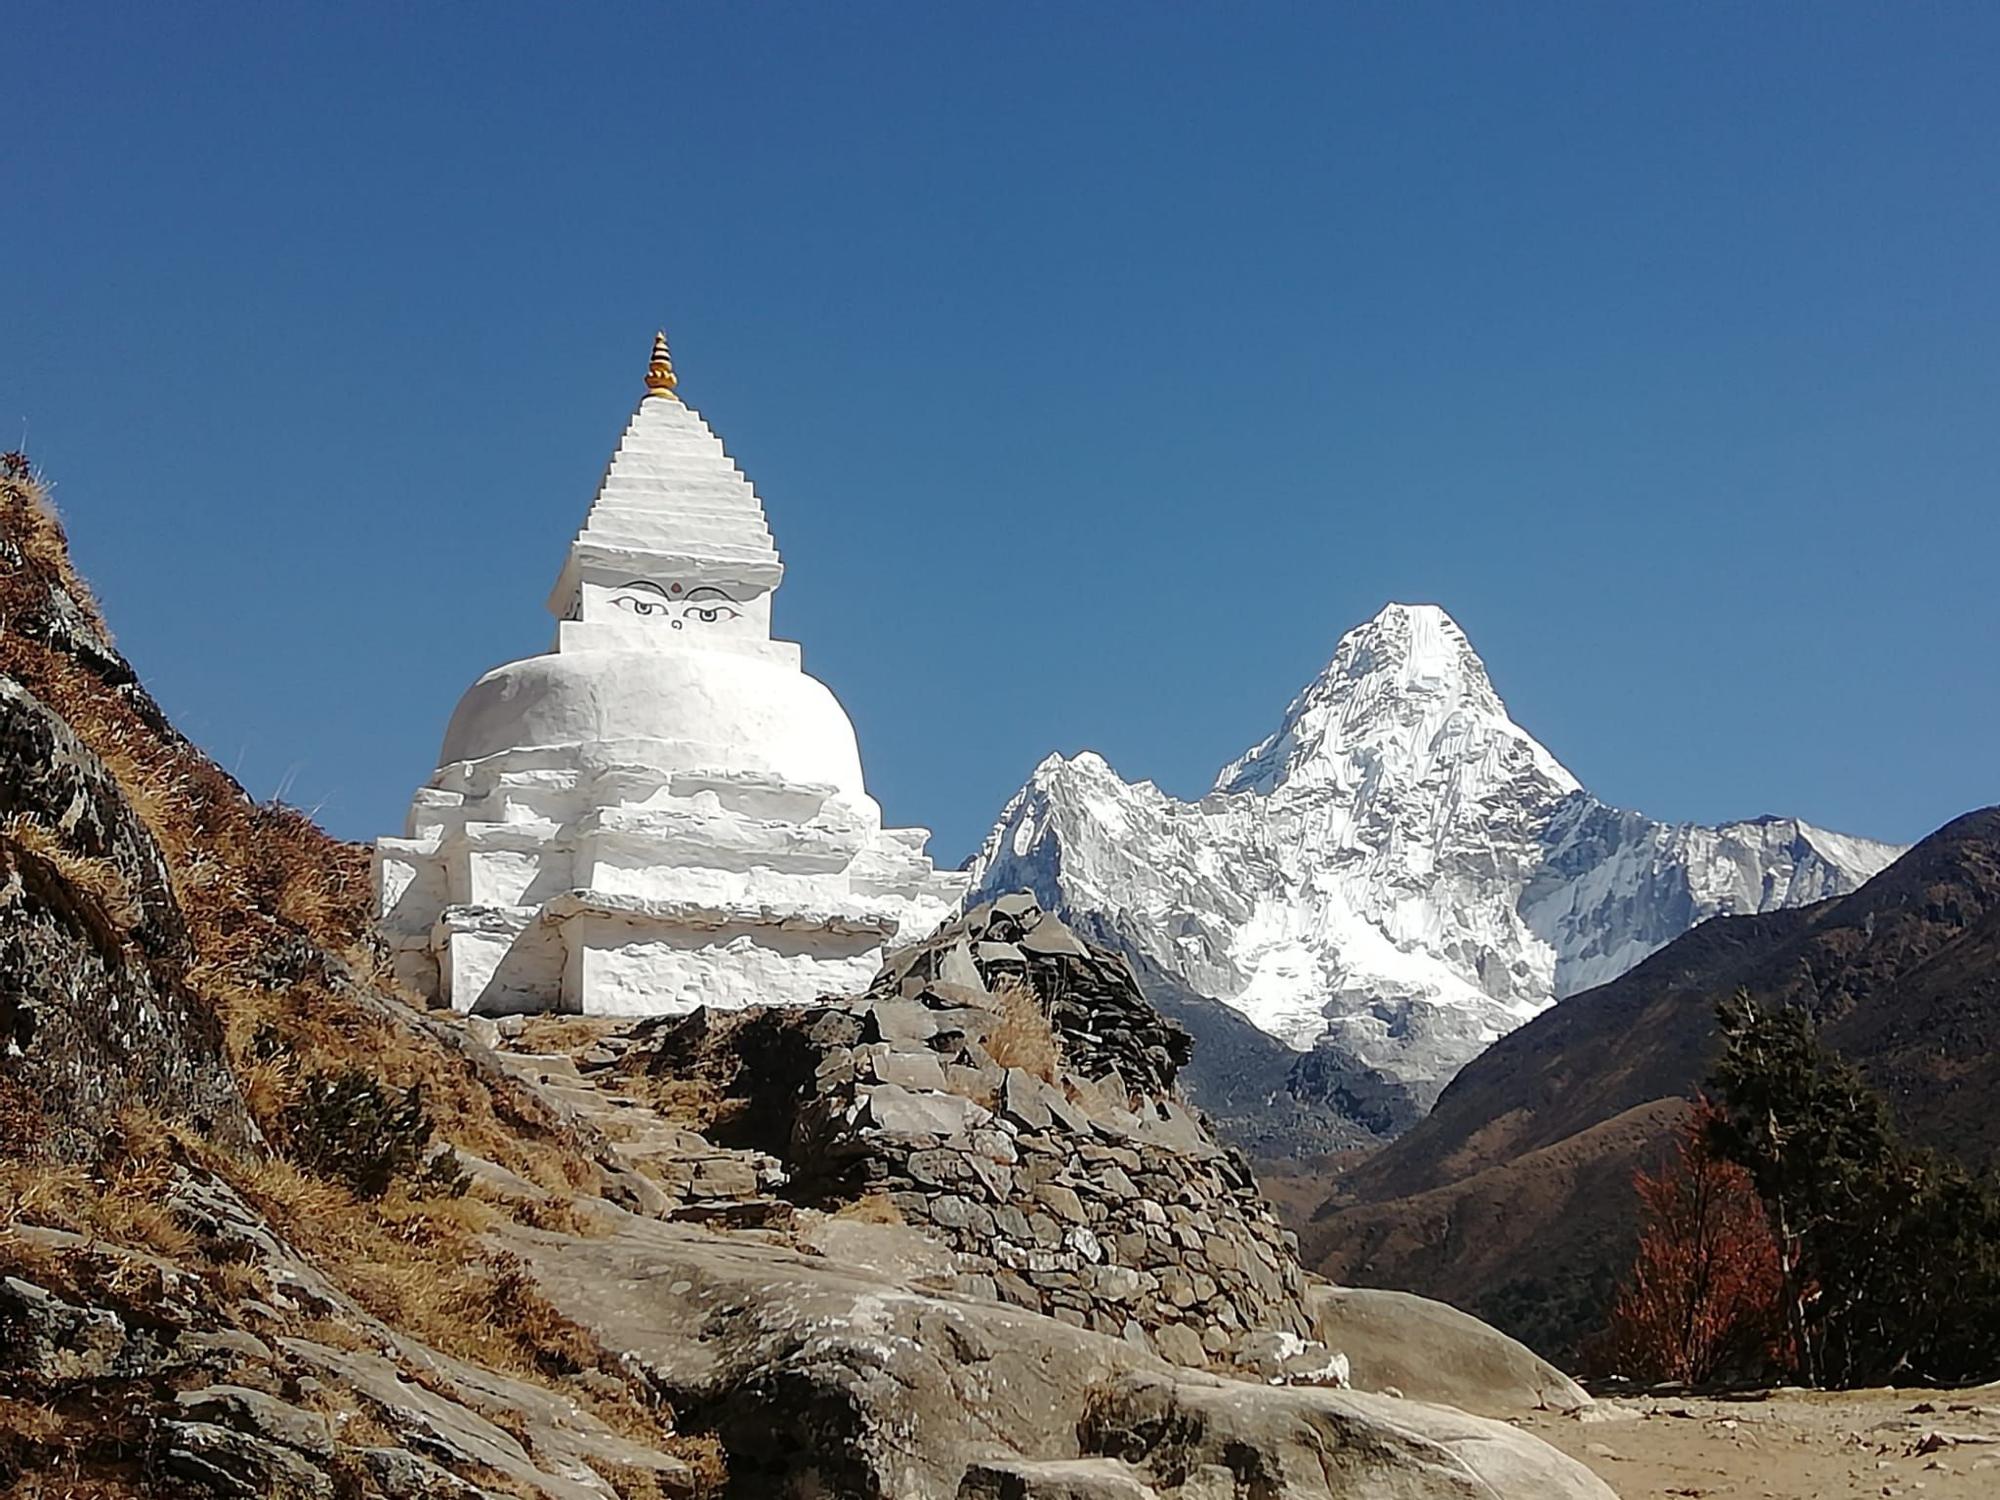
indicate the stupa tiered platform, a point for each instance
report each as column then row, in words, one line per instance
column 664, row 811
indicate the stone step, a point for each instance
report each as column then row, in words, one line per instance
column 541, row 1067
column 746, row 515
column 747, row 529
column 673, row 442
column 660, row 505
column 693, row 549
column 650, row 489
column 736, row 1213
column 647, row 1136
column 744, row 532
column 581, row 1098
column 665, row 539
column 692, row 468
column 668, row 537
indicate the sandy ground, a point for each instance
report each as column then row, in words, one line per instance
column 1790, row 1445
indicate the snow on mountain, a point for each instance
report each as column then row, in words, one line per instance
column 1400, row 873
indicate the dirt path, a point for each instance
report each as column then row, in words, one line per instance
column 1791, row 1445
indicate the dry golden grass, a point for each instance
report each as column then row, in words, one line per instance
column 568, row 1034
column 702, row 1454
column 51, row 1453
column 871, row 1208
column 119, row 1201
column 697, row 1104
column 30, row 1421
column 423, row 1266
column 27, row 1258
column 560, row 1215
column 276, row 1041
column 420, row 1265
column 30, row 517
column 99, row 879
column 351, row 1416
column 1024, row 1038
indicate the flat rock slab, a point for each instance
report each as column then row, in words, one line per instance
column 910, row 1070
column 900, row 1111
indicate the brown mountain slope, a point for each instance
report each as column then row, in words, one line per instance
column 1903, row 973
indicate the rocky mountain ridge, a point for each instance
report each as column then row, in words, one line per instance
column 1395, row 877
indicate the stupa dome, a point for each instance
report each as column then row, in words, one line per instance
column 680, row 711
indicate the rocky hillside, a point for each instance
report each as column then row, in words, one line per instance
column 266, row 1229
column 1511, row 1198
column 1395, row 877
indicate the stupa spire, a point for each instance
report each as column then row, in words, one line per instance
column 660, row 377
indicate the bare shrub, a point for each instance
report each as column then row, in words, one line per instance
column 348, row 1126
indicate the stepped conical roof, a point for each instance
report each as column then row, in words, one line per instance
column 672, row 504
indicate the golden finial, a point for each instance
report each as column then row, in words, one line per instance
column 660, row 379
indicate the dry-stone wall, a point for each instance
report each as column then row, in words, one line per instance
column 1086, row 1191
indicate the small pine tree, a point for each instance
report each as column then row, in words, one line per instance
column 1704, row 1293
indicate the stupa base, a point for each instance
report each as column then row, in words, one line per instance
column 587, row 953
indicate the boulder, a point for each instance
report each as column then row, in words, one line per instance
column 1431, row 1351
column 1310, row 1443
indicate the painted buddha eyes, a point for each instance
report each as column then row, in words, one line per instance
column 707, row 605
column 640, row 606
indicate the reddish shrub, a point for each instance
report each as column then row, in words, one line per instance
column 1705, row 1293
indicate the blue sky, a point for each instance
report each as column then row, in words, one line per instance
column 1098, row 365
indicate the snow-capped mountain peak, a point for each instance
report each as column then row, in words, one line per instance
column 1405, row 687
column 1400, row 873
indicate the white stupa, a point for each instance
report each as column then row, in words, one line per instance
column 664, row 811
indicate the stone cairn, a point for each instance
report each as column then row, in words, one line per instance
column 1007, row 1090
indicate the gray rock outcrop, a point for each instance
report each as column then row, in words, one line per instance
column 94, row 1015
column 1430, row 1351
